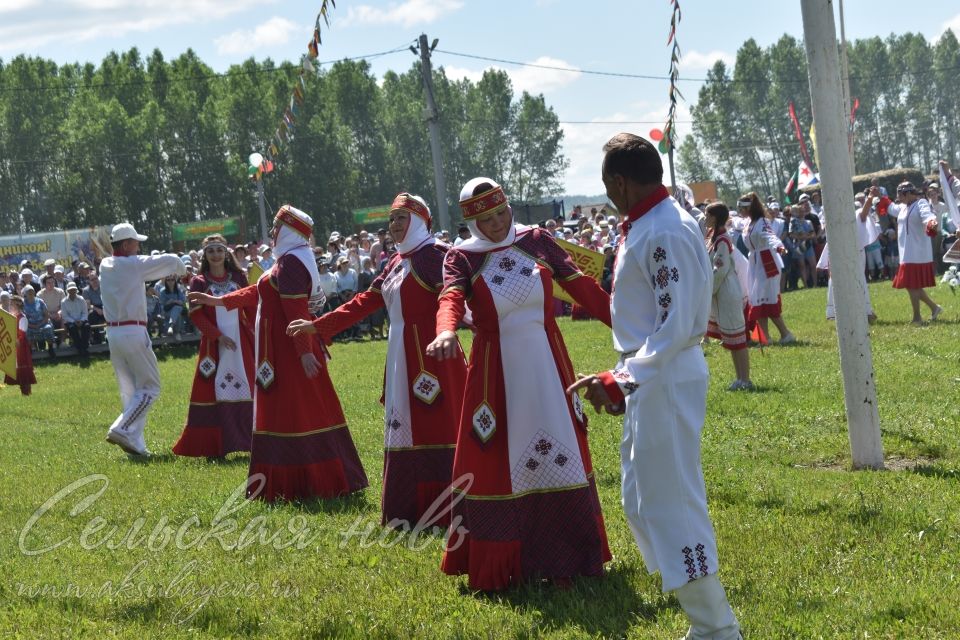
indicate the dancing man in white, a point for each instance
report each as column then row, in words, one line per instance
column 122, row 277
column 662, row 286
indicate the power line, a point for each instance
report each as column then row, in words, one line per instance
column 640, row 76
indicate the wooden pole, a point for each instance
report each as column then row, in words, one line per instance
column 846, row 267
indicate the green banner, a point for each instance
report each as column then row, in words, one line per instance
column 371, row 215
column 199, row 230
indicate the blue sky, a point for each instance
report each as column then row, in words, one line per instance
column 601, row 35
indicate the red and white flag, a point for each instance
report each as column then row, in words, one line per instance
column 805, row 176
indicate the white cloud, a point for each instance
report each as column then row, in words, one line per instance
column 952, row 23
column 406, row 14
column 9, row 6
column 456, row 73
column 582, row 143
column 275, row 31
column 533, row 80
column 696, row 61
column 73, row 21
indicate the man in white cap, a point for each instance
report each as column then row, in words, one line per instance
column 74, row 312
column 125, row 308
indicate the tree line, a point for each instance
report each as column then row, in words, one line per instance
column 157, row 142
column 742, row 137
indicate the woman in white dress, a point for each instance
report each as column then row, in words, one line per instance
column 727, row 319
column 765, row 267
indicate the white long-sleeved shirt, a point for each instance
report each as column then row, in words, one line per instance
column 73, row 310
column 912, row 239
column 122, row 283
column 662, row 287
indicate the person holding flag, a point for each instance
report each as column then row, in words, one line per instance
column 18, row 357
column 531, row 510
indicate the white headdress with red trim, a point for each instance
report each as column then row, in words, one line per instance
column 418, row 228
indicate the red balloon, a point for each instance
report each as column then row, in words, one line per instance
column 656, row 135
column 268, row 167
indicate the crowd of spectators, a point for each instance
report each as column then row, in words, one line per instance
column 60, row 304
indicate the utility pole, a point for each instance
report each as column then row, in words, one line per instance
column 846, row 267
column 432, row 116
column 261, row 200
column 847, row 98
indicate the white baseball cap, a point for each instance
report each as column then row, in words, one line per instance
column 125, row 231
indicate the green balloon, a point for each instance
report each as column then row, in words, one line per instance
column 664, row 146
column 251, row 170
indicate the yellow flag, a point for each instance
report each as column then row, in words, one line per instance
column 813, row 141
column 254, row 271
column 588, row 261
column 8, row 344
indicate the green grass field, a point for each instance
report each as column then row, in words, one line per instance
column 808, row 548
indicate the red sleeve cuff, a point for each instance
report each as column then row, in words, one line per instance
column 614, row 392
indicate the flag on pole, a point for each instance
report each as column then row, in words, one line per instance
column 813, row 142
column 947, row 191
column 806, row 177
column 8, row 344
column 791, row 188
column 796, row 130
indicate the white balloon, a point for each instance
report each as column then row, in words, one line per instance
column 256, row 159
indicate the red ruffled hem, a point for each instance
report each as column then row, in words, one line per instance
column 495, row 565
column 198, row 443
column 913, row 275
column 25, row 379
column 324, row 479
column 765, row 311
column 492, row 565
column 730, row 341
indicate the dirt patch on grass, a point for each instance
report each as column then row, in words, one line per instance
column 891, row 463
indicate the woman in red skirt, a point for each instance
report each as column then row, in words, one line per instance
column 916, row 224
column 220, row 417
column 25, row 378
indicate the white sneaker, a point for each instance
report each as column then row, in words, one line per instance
column 788, row 339
column 169, row 331
column 121, row 440
column 936, row 313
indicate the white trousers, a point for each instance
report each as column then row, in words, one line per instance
column 135, row 366
column 664, row 496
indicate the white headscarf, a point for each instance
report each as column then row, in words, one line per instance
column 290, row 241
column 417, row 234
column 479, row 242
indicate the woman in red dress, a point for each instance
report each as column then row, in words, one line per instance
column 301, row 446
column 421, row 396
column 25, row 377
column 220, row 417
column 526, row 503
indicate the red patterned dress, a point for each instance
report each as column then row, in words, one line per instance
column 301, row 443
column 422, row 397
column 526, row 504
column 220, row 417
column 25, row 377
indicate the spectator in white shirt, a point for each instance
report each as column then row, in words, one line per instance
column 73, row 311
